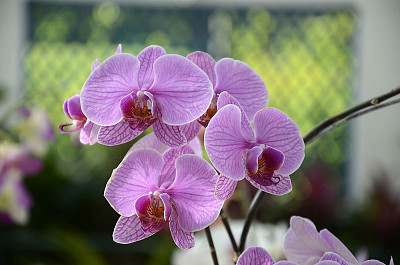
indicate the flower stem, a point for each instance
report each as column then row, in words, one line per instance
column 211, row 244
column 225, row 221
column 321, row 129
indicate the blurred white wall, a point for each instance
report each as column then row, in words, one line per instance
column 376, row 137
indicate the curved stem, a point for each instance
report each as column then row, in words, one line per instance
column 211, row 244
column 225, row 221
column 321, row 129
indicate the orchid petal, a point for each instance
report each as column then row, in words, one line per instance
column 374, row 262
column 72, row 108
column 225, row 143
column 149, row 141
column 330, row 256
column 281, row 186
column 190, row 130
column 338, row 247
column 170, row 135
column 224, row 99
column 167, row 205
column 255, row 256
column 275, row 129
column 136, row 175
column 302, row 243
column 168, row 171
column 205, row 62
column 196, row 146
column 129, row 229
column 147, row 58
column 252, row 159
column 193, row 193
column 86, row 130
column 183, row 92
column 117, row 134
column 243, row 83
column 94, row 134
column 119, row 49
column 182, row 239
column 224, row 188
column 115, row 78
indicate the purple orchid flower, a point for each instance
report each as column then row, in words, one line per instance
column 150, row 190
column 127, row 94
column 255, row 256
column 303, row 245
column 88, row 130
column 15, row 201
column 265, row 155
column 234, row 77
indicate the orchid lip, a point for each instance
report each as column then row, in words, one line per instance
column 136, row 111
column 153, row 210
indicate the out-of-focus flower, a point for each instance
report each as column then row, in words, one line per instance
column 268, row 236
column 35, row 129
column 236, row 78
column 127, row 94
column 150, row 190
column 265, row 155
column 15, row 164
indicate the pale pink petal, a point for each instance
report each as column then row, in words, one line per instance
column 338, row 247
column 281, row 186
column 149, row 141
column 117, row 134
column 182, row 91
column 129, row 229
column 205, row 62
column 170, row 135
column 243, row 83
column 193, row 193
column 247, row 130
column 330, row 256
column 225, row 143
column 147, row 58
column 115, row 78
column 275, row 129
column 135, row 176
column 302, row 243
column 255, row 256
column 224, row 188
column 182, row 239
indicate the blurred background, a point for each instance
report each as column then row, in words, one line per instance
column 316, row 58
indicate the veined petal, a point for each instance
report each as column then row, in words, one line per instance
column 206, row 63
column 275, row 129
column 330, row 256
column 168, row 171
column 224, row 99
column 190, row 130
column 182, row 239
column 115, row 78
column 170, row 135
column 135, row 176
column 280, row 185
column 225, row 143
column 255, row 256
column 182, row 90
column 117, row 134
column 193, row 193
column 303, row 243
column 338, row 247
column 129, row 229
column 224, row 188
column 147, row 58
column 243, row 83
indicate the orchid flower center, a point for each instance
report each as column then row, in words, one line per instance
column 212, row 109
column 268, row 162
column 153, row 211
column 136, row 111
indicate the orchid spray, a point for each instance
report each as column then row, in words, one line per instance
column 163, row 181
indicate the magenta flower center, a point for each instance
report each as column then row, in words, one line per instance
column 136, row 111
column 269, row 161
column 151, row 212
